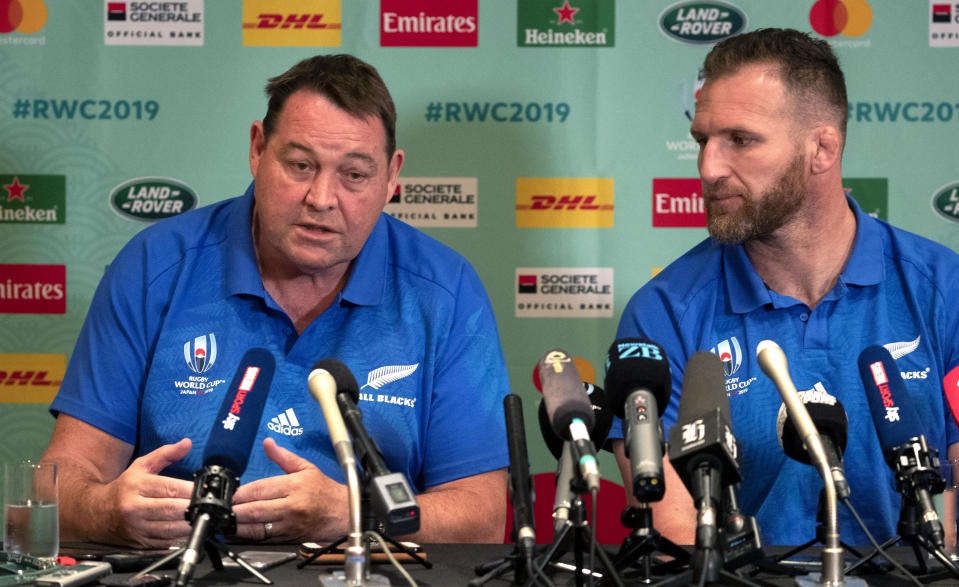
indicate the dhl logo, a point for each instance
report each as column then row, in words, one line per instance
column 290, row 21
column 564, row 202
column 30, row 378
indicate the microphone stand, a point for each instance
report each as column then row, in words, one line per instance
column 638, row 548
column 820, row 536
column 706, row 564
column 210, row 512
column 582, row 540
column 917, row 468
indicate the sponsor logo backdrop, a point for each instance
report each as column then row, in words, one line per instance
column 545, row 137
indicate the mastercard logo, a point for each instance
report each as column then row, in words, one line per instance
column 851, row 18
column 23, row 16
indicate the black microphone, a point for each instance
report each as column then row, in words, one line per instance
column 702, row 448
column 915, row 464
column 638, row 383
column 520, row 486
column 566, row 489
column 829, row 417
column 225, row 456
column 392, row 501
column 569, row 410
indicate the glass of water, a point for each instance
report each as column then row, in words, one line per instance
column 30, row 509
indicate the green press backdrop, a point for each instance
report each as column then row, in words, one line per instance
column 546, row 140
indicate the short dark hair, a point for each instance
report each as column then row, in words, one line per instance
column 348, row 82
column 807, row 66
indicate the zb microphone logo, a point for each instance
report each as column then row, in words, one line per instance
column 629, row 350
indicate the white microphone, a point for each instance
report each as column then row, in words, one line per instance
column 772, row 361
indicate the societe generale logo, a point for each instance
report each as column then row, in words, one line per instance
column 678, row 202
column 292, row 23
column 33, row 289
column 564, row 202
column 429, row 23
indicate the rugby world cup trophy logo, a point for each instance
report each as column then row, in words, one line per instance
column 200, row 353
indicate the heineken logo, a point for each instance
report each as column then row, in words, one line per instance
column 152, row 198
column 566, row 23
column 702, row 22
column 33, row 199
column 946, row 201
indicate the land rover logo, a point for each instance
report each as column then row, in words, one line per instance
column 701, row 22
column 152, row 198
column 946, row 201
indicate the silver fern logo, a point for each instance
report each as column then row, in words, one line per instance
column 901, row 349
column 380, row 377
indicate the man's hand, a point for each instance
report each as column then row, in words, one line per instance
column 103, row 500
column 149, row 506
column 303, row 505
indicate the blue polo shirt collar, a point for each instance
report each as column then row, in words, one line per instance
column 367, row 279
column 747, row 292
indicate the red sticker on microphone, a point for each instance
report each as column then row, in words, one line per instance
column 950, row 386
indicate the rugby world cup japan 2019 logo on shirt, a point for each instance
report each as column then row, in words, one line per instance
column 200, row 355
column 152, row 198
column 731, row 354
column 702, row 22
column 566, row 23
column 429, row 23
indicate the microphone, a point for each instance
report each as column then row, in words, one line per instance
column 323, row 387
column 520, row 487
column 915, row 464
column 565, row 477
column 638, row 382
column 829, row 418
column 772, row 361
column 391, row 498
column 569, row 410
column 225, row 456
column 703, row 450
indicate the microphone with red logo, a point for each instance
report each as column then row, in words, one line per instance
column 225, row 457
column 915, row 464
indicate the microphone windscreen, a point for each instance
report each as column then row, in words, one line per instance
column 704, row 388
column 826, row 412
column 893, row 414
column 563, row 392
column 345, row 381
column 602, row 415
column 235, row 428
column 636, row 363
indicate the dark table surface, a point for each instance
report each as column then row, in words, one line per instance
column 455, row 564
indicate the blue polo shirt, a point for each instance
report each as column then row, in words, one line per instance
column 183, row 301
column 896, row 289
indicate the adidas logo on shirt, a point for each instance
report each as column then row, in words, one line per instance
column 286, row 424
